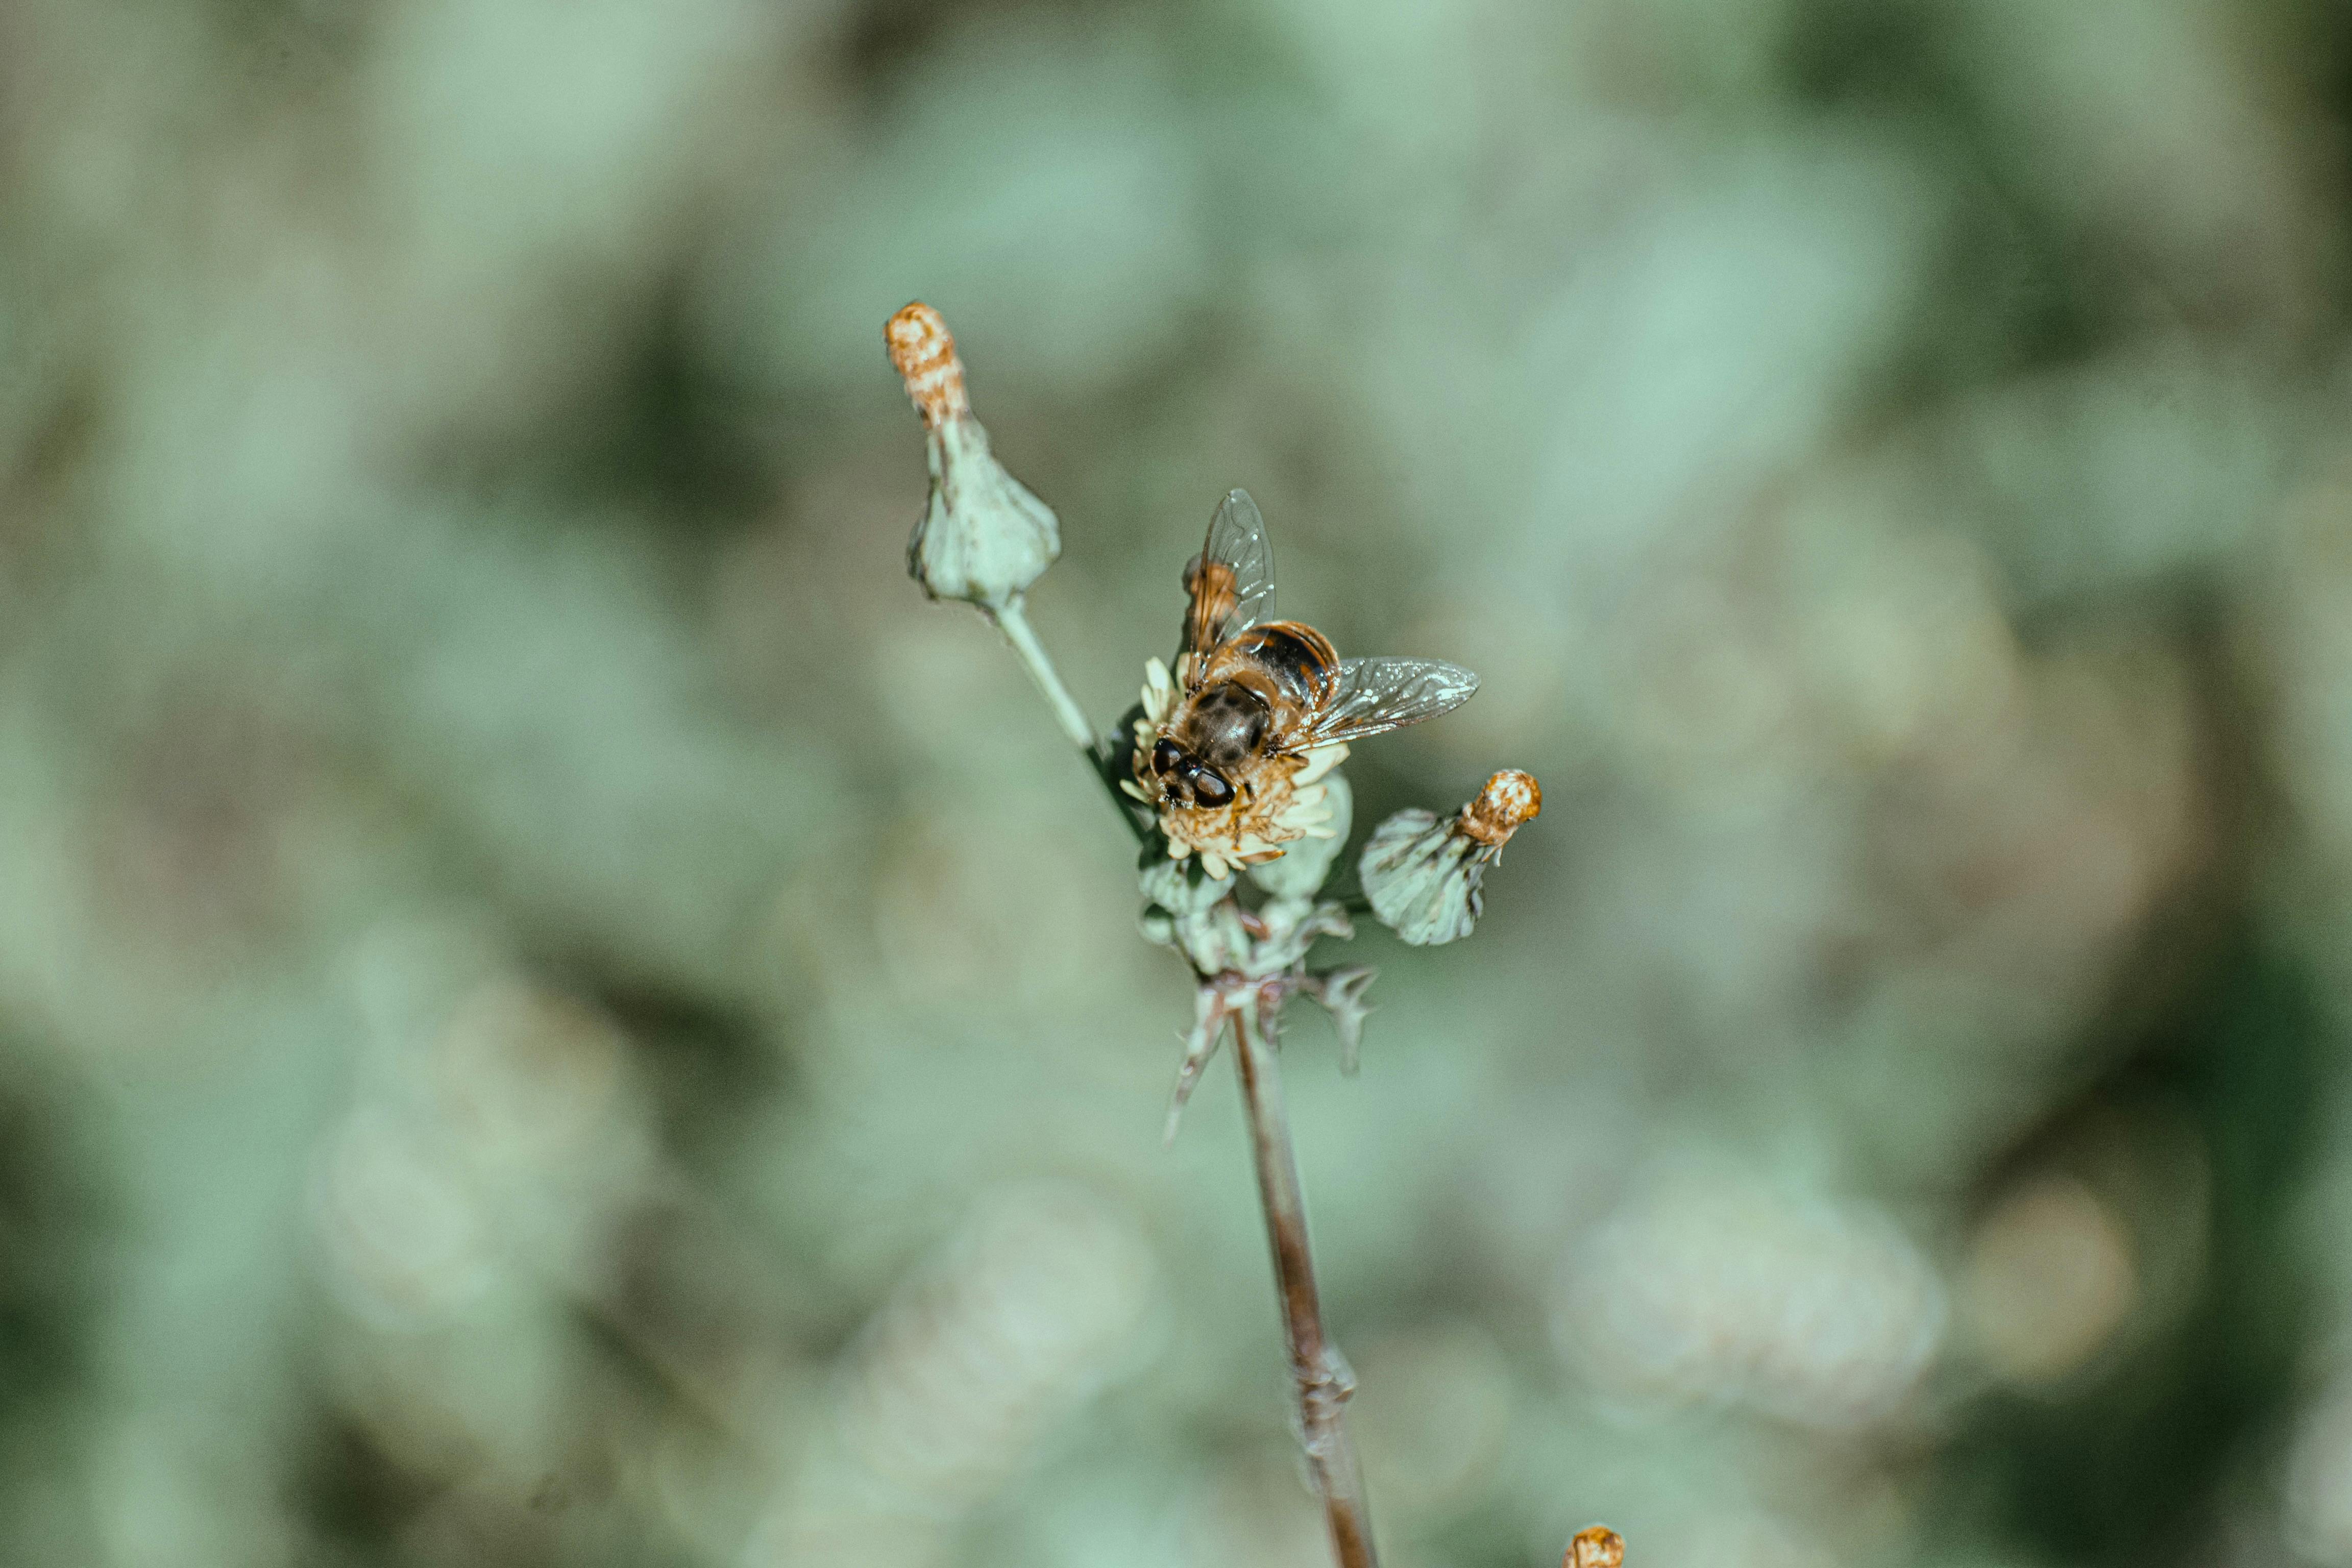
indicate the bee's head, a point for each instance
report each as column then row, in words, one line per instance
column 1185, row 779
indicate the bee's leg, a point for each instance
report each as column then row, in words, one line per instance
column 1208, row 1029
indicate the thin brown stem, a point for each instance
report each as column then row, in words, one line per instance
column 1320, row 1373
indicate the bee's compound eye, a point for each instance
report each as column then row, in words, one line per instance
column 1211, row 788
column 1166, row 757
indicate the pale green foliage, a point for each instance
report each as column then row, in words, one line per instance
column 983, row 538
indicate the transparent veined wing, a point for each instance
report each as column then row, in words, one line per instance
column 1231, row 582
column 1376, row 694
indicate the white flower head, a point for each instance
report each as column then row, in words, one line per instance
column 1423, row 874
column 983, row 538
column 1275, row 803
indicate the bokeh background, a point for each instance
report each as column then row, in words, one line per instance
column 553, row 1011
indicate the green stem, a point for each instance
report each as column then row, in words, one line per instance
column 1013, row 620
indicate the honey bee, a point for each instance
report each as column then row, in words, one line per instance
column 1254, row 692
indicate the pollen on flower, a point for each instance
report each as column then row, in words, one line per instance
column 924, row 353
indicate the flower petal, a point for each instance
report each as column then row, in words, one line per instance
column 1321, row 761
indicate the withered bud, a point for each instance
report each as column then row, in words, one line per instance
column 1510, row 799
column 1422, row 873
column 923, row 350
column 983, row 538
column 1597, row 1545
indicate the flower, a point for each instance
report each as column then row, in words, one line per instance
column 1301, row 868
column 983, row 538
column 1277, row 803
column 1421, row 875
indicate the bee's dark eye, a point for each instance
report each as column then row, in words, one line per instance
column 1166, row 756
column 1210, row 788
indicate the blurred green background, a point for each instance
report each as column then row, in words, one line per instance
column 552, row 1011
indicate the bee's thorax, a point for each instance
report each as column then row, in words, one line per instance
column 1226, row 725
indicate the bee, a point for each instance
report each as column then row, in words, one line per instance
column 1254, row 692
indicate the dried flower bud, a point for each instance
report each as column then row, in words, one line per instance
column 983, row 538
column 1423, row 874
column 923, row 351
column 1595, row 1546
column 1510, row 799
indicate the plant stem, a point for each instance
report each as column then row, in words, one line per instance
column 1321, row 1376
column 1014, row 622
column 1105, row 758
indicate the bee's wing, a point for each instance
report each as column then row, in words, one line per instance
column 1232, row 581
column 1376, row 694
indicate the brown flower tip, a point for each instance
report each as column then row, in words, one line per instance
column 1596, row 1546
column 924, row 353
column 1510, row 798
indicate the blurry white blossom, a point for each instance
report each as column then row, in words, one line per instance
column 1701, row 1286
column 968, row 1367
